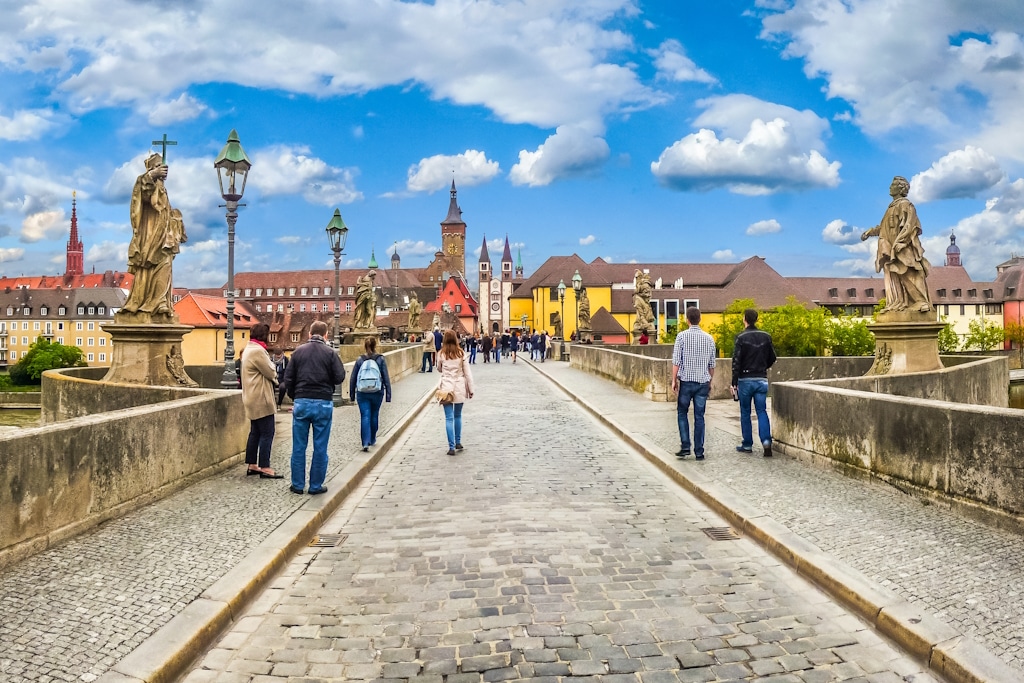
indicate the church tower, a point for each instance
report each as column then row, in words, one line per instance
column 519, row 264
column 453, row 237
column 952, row 252
column 75, row 255
column 506, row 263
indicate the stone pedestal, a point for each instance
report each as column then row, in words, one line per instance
column 585, row 334
column 359, row 335
column 905, row 341
column 147, row 354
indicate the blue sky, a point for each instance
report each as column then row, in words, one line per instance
column 633, row 130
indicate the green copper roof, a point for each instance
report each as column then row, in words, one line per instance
column 519, row 259
column 232, row 152
column 373, row 260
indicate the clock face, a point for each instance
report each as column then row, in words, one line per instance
column 453, row 248
column 495, row 286
column 495, row 307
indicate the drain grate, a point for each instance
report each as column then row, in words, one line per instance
column 721, row 533
column 327, row 540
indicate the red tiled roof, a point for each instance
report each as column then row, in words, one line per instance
column 198, row 310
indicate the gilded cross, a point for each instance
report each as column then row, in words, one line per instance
column 164, row 143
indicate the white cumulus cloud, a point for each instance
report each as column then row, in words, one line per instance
column 672, row 63
column 589, row 239
column 766, row 160
column 44, row 225
column 471, row 167
column 27, row 124
column 107, row 251
column 766, row 227
column 182, row 108
column 961, row 173
column 572, row 151
column 15, row 254
column 838, row 232
column 723, row 255
column 289, row 169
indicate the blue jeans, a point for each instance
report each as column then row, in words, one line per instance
column 472, row 353
column 318, row 414
column 756, row 389
column 369, row 410
column 453, row 423
column 497, row 354
column 427, row 364
column 697, row 392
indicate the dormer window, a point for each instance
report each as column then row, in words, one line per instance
column 940, row 292
column 972, row 292
column 27, row 311
column 81, row 310
column 102, row 310
column 852, row 291
column 303, row 291
column 62, row 311
column 43, row 310
column 957, row 292
column 869, row 292
column 833, row 292
column 92, row 310
column 987, row 293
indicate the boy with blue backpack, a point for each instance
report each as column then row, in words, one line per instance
column 369, row 387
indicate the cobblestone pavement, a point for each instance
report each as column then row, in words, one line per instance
column 70, row 613
column 544, row 550
column 964, row 572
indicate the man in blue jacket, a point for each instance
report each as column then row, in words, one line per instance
column 752, row 355
column 310, row 378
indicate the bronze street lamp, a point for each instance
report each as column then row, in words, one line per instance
column 337, row 232
column 577, row 286
column 233, row 168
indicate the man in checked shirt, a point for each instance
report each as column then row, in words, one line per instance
column 693, row 366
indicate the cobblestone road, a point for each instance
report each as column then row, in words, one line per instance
column 70, row 613
column 544, row 550
column 966, row 573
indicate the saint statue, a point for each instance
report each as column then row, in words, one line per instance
column 157, row 232
column 556, row 322
column 900, row 256
column 415, row 308
column 584, row 311
column 642, row 302
column 366, row 302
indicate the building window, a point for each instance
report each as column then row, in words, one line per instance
column 248, row 292
column 60, row 340
column 10, row 310
column 671, row 312
column 957, row 292
column 458, row 308
column 92, row 310
column 103, row 358
column 316, row 291
column 14, row 355
column 833, row 292
column 291, row 291
column 302, row 308
column 324, row 308
column 690, row 302
column 280, row 291
column 972, row 292
column 81, row 310
column 273, row 337
column 553, row 295
column 60, row 311
column 35, row 325
column 78, row 342
column 259, row 308
column 90, row 341
column 91, row 359
column 327, row 291
column 291, row 308
column 295, row 336
column 60, row 326
column 45, row 311
column 259, row 291
column 303, row 291
column 941, row 292
column 102, row 310
column 991, row 309
column 24, row 341
column 280, row 308
column 348, row 306
column 962, row 309
column 351, row 290
column 79, row 326
column 92, row 326
column 103, row 341
column 946, row 311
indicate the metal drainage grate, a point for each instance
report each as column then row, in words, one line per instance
column 327, row 540
column 721, row 533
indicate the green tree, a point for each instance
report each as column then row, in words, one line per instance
column 983, row 335
column 949, row 340
column 669, row 335
column 732, row 324
column 848, row 336
column 795, row 330
column 1014, row 332
column 44, row 355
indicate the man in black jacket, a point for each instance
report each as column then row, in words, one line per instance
column 752, row 355
column 310, row 378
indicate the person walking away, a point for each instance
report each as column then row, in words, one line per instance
column 312, row 374
column 427, row 364
column 506, row 344
column 542, row 344
column 473, row 344
column 457, row 378
column 369, row 387
column 497, row 347
column 438, row 338
column 259, row 379
column 514, row 345
column 693, row 366
column 752, row 355
column 280, row 365
column 486, row 343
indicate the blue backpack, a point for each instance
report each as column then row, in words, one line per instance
column 369, row 378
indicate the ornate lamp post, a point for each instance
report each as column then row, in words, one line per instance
column 233, row 169
column 577, row 286
column 523, row 317
column 337, row 232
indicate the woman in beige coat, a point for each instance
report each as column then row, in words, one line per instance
column 453, row 364
column 259, row 378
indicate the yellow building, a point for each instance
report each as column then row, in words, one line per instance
column 204, row 345
column 73, row 317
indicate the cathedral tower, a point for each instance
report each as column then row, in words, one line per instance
column 75, row 256
column 453, row 237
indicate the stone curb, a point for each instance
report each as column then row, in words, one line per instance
column 947, row 652
column 165, row 655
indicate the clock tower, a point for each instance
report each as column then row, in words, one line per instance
column 453, row 238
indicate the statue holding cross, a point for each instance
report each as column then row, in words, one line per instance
column 157, row 232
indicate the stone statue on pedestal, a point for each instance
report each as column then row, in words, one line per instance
column 900, row 256
column 584, row 311
column 642, row 303
column 415, row 309
column 366, row 302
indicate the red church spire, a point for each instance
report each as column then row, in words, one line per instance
column 76, row 257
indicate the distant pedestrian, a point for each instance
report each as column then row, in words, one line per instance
column 513, row 345
column 313, row 373
column 486, row 344
column 644, row 339
column 280, row 365
column 497, row 347
column 473, row 344
column 427, row 364
column 456, row 377
column 693, row 366
column 369, row 387
column 542, row 344
column 259, row 379
column 753, row 353
column 506, row 344
column 438, row 338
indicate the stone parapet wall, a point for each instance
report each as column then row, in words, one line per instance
column 19, row 398
column 647, row 369
column 64, row 478
column 927, row 436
